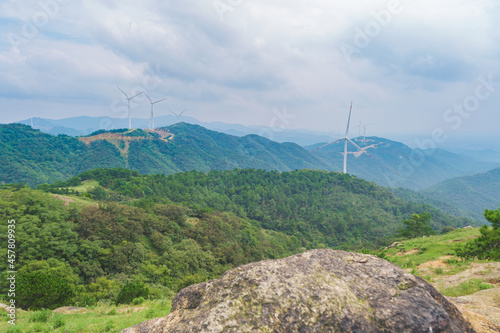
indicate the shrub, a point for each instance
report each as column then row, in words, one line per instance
column 137, row 301
column 109, row 326
column 14, row 329
column 40, row 316
column 130, row 291
column 46, row 284
column 190, row 280
column 59, row 321
column 446, row 230
column 150, row 314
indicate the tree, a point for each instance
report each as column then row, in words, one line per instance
column 45, row 284
column 130, row 291
column 416, row 226
column 493, row 216
column 486, row 246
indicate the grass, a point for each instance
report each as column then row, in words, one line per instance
column 436, row 251
column 100, row 318
column 414, row 252
column 85, row 186
column 466, row 288
column 40, row 316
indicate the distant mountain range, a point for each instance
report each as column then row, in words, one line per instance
column 81, row 126
column 394, row 164
column 473, row 193
column 34, row 157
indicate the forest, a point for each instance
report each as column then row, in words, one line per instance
column 88, row 251
column 330, row 208
column 117, row 235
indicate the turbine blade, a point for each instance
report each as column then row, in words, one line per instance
column 175, row 114
column 123, row 92
column 359, row 147
column 148, row 98
column 161, row 100
column 331, row 143
column 182, row 112
column 348, row 121
column 136, row 95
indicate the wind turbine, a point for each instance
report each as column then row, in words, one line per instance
column 152, row 120
column 178, row 115
column 345, row 138
column 128, row 106
column 364, row 129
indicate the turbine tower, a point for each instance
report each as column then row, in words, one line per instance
column 152, row 119
column 178, row 115
column 128, row 106
column 346, row 138
column 364, row 129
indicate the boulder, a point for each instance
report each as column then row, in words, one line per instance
column 316, row 291
column 395, row 244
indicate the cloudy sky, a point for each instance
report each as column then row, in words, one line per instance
column 410, row 66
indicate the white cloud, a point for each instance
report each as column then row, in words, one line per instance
column 261, row 55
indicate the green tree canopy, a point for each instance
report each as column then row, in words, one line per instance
column 417, row 226
column 45, row 284
column 486, row 246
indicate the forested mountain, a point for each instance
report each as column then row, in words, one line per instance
column 396, row 165
column 472, row 194
column 315, row 206
column 85, row 125
column 439, row 203
column 33, row 157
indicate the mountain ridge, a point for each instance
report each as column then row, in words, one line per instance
column 34, row 157
column 473, row 193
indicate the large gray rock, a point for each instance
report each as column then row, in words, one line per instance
column 316, row 291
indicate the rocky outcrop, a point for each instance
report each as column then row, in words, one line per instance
column 70, row 310
column 316, row 291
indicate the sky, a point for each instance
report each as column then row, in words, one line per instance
column 423, row 67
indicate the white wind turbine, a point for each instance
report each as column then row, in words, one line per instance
column 345, row 138
column 364, row 130
column 152, row 119
column 178, row 115
column 128, row 106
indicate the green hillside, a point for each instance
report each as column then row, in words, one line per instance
column 317, row 207
column 439, row 203
column 33, row 157
column 394, row 164
column 195, row 148
column 116, row 235
column 95, row 248
column 472, row 194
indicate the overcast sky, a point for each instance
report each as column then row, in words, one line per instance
column 409, row 66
